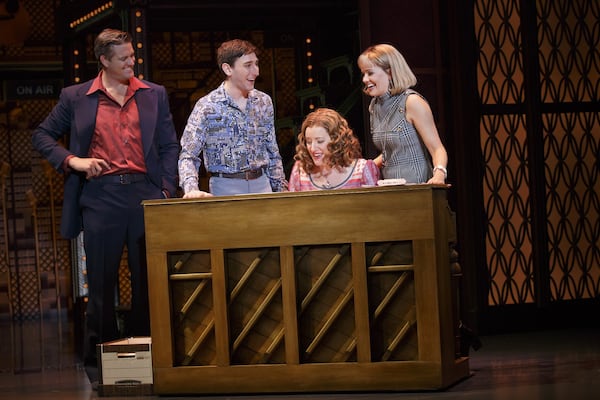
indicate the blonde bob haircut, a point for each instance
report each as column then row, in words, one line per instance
column 390, row 60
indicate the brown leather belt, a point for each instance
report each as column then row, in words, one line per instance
column 247, row 175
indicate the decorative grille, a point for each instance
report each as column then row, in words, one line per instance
column 567, row 87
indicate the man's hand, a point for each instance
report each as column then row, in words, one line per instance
column 197, row 194
column 91, row 166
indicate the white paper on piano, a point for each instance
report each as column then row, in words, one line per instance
column 389, row 182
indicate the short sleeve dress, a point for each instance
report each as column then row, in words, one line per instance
column 364, row 173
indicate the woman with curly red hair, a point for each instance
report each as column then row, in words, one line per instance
column 329, row 156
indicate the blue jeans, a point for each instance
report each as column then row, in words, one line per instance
column 227, row 186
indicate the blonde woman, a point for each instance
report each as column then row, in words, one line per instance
column 402, row 124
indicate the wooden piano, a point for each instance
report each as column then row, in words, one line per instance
column 341, row 290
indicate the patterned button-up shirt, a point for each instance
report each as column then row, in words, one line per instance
column 230, row 139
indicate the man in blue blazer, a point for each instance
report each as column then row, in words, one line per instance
column 122, row 149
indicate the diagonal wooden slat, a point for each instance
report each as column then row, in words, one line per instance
column 410, row 320
column 201, row 338
column 257, row 314
column 323, row 277
column 247, row 274
column 389, row 296
column 181, row 261
column 188, row 303
column 334, row 312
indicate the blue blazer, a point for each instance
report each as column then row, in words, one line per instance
column 75, row 116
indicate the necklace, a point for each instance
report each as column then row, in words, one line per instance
column 340, row 177
column 321, row 180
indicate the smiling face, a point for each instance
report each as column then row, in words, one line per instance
column 119, row 65
column 375, row 79
column 243, row 73
column 317, row 141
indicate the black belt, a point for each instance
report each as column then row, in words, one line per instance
column 247, row 175
column 123, row 179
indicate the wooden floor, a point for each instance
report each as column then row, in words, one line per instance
column 38, row 361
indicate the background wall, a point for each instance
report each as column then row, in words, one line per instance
column 513, row 85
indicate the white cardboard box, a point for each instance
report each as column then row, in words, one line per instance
column 125, row 367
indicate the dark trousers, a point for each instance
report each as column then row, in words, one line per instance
column 112, row 219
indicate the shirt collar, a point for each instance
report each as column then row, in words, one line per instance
column 134, row 85
column 222, row 95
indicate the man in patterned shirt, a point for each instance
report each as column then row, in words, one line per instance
column 233, row 128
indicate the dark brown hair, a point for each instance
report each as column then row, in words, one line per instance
column 231, row 50
column 103, row 45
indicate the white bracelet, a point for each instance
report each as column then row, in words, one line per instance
column 441, row 168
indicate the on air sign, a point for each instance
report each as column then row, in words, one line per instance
column 32, row 89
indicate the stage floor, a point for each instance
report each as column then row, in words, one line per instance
column 38, row 361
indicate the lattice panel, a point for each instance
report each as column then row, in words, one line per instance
column 500, row 66
column 35, row 111
column 25, row 281
column 285, row 66
column 39, row 181
column 54, row 256
column 5, row 289
column 45, row 236
column 4, row 142
column 161, row 53
column 572, row 148
column 567, row 57
column 34, row 24
column 506, row 196
column 21, row 149
column 4, row 182
column 46, row 183
column 42, row 20
column 124, row 284
column 569, row 50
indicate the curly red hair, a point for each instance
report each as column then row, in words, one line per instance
column 343, row 148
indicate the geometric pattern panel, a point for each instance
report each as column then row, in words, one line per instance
column 506, row 201
column 572, row 149
column 503, row 141
column 500, row 66
column 568, row 56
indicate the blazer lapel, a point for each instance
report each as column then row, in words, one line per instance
column 147, row 108
column 85, row 119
